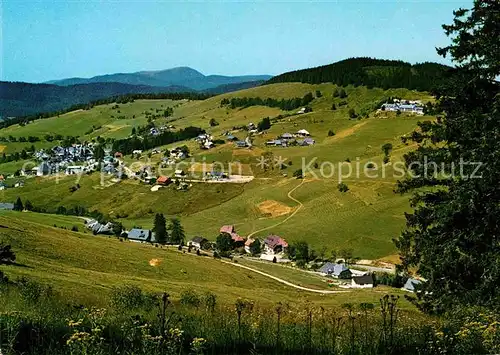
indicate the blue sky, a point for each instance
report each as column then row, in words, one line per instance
column 46, row 40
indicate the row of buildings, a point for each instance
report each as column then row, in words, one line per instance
column 301, row 138
column 414, row 107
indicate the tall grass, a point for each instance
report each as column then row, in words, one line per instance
column 139, row 323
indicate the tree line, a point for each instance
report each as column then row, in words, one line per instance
column 128, row 145
column 283, row 104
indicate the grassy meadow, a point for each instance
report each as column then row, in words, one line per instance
column 365, row 218
column 85, row 267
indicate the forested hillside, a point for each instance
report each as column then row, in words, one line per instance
column 370, row 72
column 22, row 99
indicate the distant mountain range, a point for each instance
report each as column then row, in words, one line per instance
column 181, row 76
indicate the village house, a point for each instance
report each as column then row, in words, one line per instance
column 141, row 235
column 364, row 281
column 180, row 174
column 286, row 136
column 19, row 183
column 277, row 143
column 6, row 206
column 410, row 284
column 241, row 144
column 227, row 229
column 274, row 244
column 178, row 154
column 237, row 239
column 339, row 271
column 301, row 111
column 3, row 185
column 198, row 242
column 99, row 228
column 303, row 133
column 306, row 142
column 163, row 180
column 118, row 155
column 248, row 244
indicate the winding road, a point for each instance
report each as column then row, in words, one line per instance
column 290, row 216
column 283, row 281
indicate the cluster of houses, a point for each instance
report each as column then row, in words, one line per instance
column 76, row 159
column 271, row 247
column 175, row 155
column 155, row 131
column 301, row 138
column 342, row 272
column 406, row 106
column 358, row 279
column 135, row 234
column 205, row 141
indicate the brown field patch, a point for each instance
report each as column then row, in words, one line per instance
column 347, row 132
column 114, row 128
column 273, row 208
column 254, row 152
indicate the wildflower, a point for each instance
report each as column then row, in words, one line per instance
column 197, row 345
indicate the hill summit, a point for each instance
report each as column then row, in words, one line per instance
column 371, row 72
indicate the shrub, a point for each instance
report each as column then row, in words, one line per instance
column 210, row 300
column 331, row 133
column 190, row 298
column 32, row 291
column 7, row 256
column 342, row 187
column 130, row 297
column 298, row 174
column 74, row 229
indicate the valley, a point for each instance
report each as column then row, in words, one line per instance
column 326, row 218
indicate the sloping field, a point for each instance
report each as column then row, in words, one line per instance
column 84, row 267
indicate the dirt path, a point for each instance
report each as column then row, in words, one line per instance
column 347, row 132
column 283, row 281
column 290, row 216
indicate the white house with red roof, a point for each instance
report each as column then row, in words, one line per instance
column 274, row 244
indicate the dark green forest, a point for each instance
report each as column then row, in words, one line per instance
column 371, row 72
